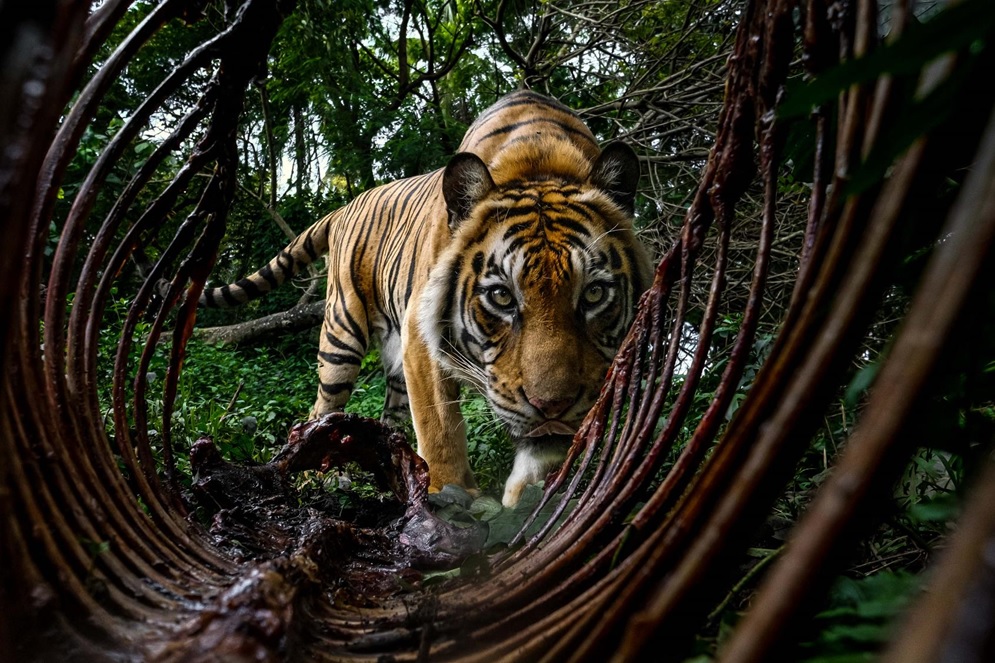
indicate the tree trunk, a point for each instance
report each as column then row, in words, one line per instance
column 300, row 148
column 270, row 144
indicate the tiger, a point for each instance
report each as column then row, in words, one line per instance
column 514, row 269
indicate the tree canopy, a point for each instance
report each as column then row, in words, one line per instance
column 361, row 92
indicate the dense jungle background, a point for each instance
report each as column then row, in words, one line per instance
column 362, row 92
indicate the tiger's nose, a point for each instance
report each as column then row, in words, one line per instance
column 551, row 408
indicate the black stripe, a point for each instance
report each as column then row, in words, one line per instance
column 330, row 338
column 509, row 413
column 451, row 285
column 385, row 211
column 508, row 128
column 349, row 324
column 251, row 288
column 515, row 229
column 530, row 138
column 518, row 243
column 614, row 259
column 568, row 223
column 285, row 261
column 226, row 294
column 308, row 246
column 576, row 242
column 581, row 209
column 522, row 98
column 519, row 194
column 467, row 295
column 468, row 340
column 612, row 316
column 637, row 279
column 411, row 270
column 520, row 211
column 478, row 238
column 568, row 207
column 335, row 387
column 267, row 273
column 339, row 359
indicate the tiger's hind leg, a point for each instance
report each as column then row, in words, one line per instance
column 341, row 348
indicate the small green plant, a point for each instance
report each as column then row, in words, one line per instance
column 491, row 451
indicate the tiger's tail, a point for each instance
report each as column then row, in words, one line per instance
column 301, row 252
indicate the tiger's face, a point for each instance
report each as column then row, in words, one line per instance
column 532, row 298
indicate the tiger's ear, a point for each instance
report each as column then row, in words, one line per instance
column 616, row 172
column 464, row 184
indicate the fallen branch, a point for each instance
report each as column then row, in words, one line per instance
column 299, row 318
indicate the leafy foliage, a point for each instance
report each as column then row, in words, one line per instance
column 247, row 397
column 860, row 616
column 351, row 101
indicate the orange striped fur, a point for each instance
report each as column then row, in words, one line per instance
column 515, row 269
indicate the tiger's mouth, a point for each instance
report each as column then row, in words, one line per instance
column 551, row 428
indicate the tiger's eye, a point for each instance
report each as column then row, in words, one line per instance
column 594, row 294
column 500, row 296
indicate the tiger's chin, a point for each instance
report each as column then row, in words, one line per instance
column 535, row 456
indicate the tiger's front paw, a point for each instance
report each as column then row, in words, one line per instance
column 472, row 492
column 533, row 461
column 439, row 477
column 512, row 493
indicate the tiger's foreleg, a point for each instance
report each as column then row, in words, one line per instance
column 395, row 408
column 435, row 413
column 344, row 339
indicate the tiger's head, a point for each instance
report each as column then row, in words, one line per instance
column 533, row 295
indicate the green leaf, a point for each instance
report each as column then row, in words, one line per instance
column 547, row 512
column 456, row 514
column 859, row 657
column 861, row 633
column 451, row 494
column 435, row 577
column 860, row 383
column 860, row 615
column 939, row 509
column 144, row 149
column 502, row 528
column 96, row 547
column 953, row 29
column 506, row 524
column 529, row 499
column 918, row 118
column 485, row 508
